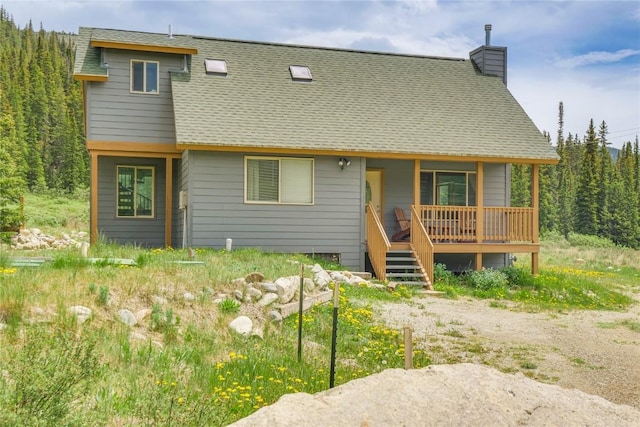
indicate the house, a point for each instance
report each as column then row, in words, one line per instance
column 196, row 140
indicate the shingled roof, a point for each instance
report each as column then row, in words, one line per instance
column 362, row 103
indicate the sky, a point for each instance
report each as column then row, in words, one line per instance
column 585, row 54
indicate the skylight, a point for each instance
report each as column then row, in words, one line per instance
column 300, row 72
column 215, row 66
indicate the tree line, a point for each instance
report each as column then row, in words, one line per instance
column 587, row 192
column 42, row 147
column 41, row 125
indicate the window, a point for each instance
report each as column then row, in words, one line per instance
column 300, row 72
column 448, row 188
column 283, row 180
column 135, row 191
column 144, row 76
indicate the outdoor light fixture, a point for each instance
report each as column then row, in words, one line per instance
column 342, row 162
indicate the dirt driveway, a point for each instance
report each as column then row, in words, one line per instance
column 593, row 351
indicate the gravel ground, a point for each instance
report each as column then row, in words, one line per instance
column 592, row 351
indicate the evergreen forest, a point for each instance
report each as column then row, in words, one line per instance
column 42, row 147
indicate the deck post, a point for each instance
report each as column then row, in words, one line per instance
column 535, row 202
column 168, row 208
column 479, row 210
column 93, row 196
column 416, row 182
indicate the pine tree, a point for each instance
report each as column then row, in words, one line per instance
column 605, row 179
column 587, row 192
column 548, row 196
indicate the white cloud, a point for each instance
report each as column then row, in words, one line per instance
column 599, row 57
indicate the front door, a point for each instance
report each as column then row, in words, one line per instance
column 373, row 191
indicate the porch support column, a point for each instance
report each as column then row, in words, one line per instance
column 168, row 200
column 416, row 182
column 535, row 202
column 479, row 210
column 93, row 203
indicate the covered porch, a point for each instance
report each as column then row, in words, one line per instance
column 476, row 232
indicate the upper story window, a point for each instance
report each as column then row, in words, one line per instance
column 135, row 191
column 145, row 76
column 448, row 188
column 279, row 180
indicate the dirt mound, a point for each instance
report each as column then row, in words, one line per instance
column 461, row 395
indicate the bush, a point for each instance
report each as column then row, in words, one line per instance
column 517, row 276
column 590, row 241
column 486, row 279
column 443, row 276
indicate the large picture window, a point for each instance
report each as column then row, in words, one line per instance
column 281, row 180
column 135, row 191
column 448, row 188
column 144, row 76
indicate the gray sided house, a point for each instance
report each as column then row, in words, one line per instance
column 390, row 162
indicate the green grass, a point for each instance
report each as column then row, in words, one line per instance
column 181, row 365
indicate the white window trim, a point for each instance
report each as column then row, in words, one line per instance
column 466, row 172
column 135, row 192
column 144, row 77
column 279, row 202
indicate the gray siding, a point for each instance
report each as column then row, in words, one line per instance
column 115, row 114
column 331, row 225
column 140, row 231
column 398, row 188
column 495, row 184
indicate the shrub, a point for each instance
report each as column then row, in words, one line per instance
column 443, row 276
column 517, row 276
column 590, row 241
column 486, row 279
column 229, row 305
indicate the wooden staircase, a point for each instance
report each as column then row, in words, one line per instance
column 403, row 266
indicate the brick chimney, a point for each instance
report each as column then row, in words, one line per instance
column 490, row 60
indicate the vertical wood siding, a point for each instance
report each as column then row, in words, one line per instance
column 140, row 231
column 331, row 225
column 115, row 114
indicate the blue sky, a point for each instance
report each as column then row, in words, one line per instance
column 583, row 53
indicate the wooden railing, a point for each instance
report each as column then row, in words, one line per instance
column 377, row 243
column 448, row 224
column 421, row 244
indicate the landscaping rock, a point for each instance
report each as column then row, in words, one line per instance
column 237, row 294
column 287, row 287
column 188, row 296
column 241, row 325
column 252, row 294
column 267, row 287
column 254, row 277
column 82, row 313
column 461, row 395
column 275, row 316
column 239, row 283
column 268, row 299
column 127, row 317
column 156, row 299
column 143, row 314
column 34, row 239
column 320, row 276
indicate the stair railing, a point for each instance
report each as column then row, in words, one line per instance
column 377, row 243
column 421, row 245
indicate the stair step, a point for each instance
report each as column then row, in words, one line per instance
column 402, row 267
column 398, row 259
column 414, row 275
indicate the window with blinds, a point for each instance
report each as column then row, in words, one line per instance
column 283, row 180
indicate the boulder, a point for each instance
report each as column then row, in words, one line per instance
column 268, row 299
column 127, row 317
column 82, row 313
column 254, row 277
column 241, row 325
column 287, row 287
